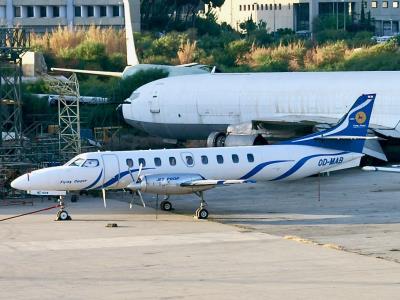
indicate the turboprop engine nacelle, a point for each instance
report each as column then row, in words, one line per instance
column 164, row 184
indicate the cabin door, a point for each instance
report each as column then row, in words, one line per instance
column 111, row 170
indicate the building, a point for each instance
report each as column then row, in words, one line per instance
column 42, row 15
column 298, row 15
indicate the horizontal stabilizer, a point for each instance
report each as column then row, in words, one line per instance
column 89, row 72
column 347, row 137
column 382, row 169
column 215, row 182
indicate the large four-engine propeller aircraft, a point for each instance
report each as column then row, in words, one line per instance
column 195, row 170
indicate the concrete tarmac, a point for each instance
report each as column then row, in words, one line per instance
column 254, row 255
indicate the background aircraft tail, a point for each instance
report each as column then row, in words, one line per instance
column 349, row 134
column 131, row 56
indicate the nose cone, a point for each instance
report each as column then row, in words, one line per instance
column 21, row 183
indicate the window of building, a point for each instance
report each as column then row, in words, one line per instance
column 43, row 11
column 17, row 11
column 90, row 11
column 248, row 7
column 142, row 162
column 220, row 159
column 395, row 4
column 56, row 11
column 250, row 157
column 240, row 8
column 288, row 6
column 252, row 7
column 266, row 6
column 244, row 7
column 129, row 162
column 270, row 7
column 280, row 6
column 258, row 6
column 29, row 11
column 385, row 4
column 374, row 4
column 103, row 11
column 275, row 6
column 78, row 11
column 157, row 161
column 235, row 158
column 115, row 10
column 204, row 160
column 262, row 6
column 172, row 161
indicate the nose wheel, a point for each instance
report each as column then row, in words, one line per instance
column 202, row 212
column 62, row 214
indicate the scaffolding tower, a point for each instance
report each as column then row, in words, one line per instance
column 68, row 114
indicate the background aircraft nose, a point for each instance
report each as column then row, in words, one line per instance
column 21, row 183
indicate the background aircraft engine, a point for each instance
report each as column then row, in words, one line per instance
column 220, row 139
column 165, row 184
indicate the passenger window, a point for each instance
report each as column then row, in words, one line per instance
column 220, row 159
column 129, row 162
column 250, row 157
column 189, row 160
column 204, row 160
column 142, row 162
column 157, row 161
column 91, row 163
column 172, row 161
column 235, row 158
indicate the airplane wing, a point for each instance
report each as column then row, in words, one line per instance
column 382, row 169
column 90, row 72
column 297, row 119
column 215, row 182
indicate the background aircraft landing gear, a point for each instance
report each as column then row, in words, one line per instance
column 201, row 213
column 62, row 214
column 165, row 205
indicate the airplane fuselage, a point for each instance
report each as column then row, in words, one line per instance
column 190, row 107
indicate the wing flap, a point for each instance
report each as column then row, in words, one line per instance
column 90, row 72
column 216, row 182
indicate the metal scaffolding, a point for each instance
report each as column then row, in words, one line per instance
column 68, row 114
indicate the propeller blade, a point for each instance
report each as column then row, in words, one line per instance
column 103, row 191
column 141, row 198
column 139, row 172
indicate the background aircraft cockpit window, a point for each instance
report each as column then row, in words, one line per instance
column 91, row 163
column 204, row 159
column 157, row 161
column 134, row 96
column 77, row 163
column 235, row 158
column 250, row 157
column 129, row 162
column 172, row 161
column 142, row 162
column 220, row 159
column 189, row 160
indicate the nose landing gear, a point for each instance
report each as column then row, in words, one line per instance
column 62, row 214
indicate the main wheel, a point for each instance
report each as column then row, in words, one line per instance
column 202, row 214
column 166, row 205
column 63, row 216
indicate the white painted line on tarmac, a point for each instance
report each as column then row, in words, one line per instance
column 137, row 241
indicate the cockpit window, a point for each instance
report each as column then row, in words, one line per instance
column 77, row 162
column 91, row 163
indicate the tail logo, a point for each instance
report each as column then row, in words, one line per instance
column 361, row 117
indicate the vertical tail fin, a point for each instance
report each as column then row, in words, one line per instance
column 131, row 56
column 349, row 133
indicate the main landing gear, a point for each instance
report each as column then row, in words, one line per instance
column 165, row 205
column 62, row 214
column 202, row 212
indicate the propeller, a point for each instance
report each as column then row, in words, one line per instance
column 103, row 191
column 137, row 180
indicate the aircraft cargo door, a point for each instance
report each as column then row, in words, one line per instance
column 220, row 107
column 110, row 170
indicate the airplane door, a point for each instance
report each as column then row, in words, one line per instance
column 154, row 102
column 111, row 170
column 188, row 159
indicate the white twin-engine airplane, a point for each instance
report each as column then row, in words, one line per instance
column 195, row 170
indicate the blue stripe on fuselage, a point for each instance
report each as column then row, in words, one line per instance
column 301, row 162
column 94, row 182
column 261, row 166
